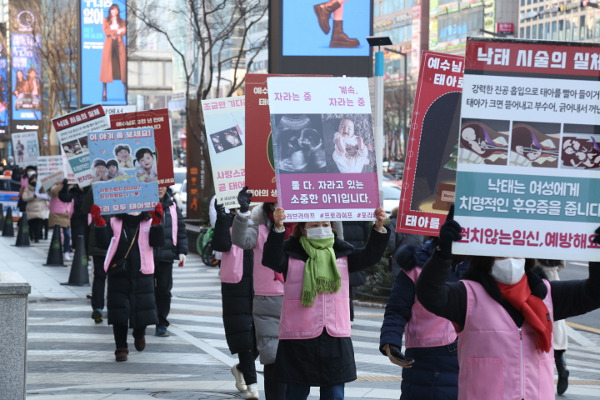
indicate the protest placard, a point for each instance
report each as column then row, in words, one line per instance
column 159, row 121
column 528, row 160
column 323, row 148
column 72, row 130
column 429, row 179
column 50, row 170
column 122, row 183
column 26, row 148
column 224, row 119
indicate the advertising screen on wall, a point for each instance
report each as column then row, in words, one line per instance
column 25, row 45
column 315, row 37
column 4, row 93
column 103, row 52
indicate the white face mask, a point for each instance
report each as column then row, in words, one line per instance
column 508, row 271
column 320, row 232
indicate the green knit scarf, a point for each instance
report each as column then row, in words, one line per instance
column 320, row 272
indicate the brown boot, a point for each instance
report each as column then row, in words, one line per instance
column 324, row 11
column 339, row 38
column 121, row 354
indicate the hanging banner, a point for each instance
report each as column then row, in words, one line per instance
column 323, row 148
column 429, row 180
column 103, row 52
column 72, row 132
column 124, row 184
column 26, row 148
column 159, row 121
column 26, row 65
column 224, row 119
column 528, row 172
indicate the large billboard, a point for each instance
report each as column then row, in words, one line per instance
column 316, row 37
column 103, row 52
column 25, row 46
column 4, row 93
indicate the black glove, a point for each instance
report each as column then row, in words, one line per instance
column 597, row 237
column 396, row 356
column 449, row 232
column 220, row 210
column 65, row 182
column 244, row 199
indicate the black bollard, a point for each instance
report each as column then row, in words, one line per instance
column 1, row 215
column 8, row 230
column 23, row 232
column 55, row 254
column 79, row 275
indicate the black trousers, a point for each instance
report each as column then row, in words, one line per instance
column 35, row 228
column 274, row 390
column 246, row 365
column 120, row 334
column 163, row 283
column 98, row 283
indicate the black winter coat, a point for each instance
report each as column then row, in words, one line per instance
column 356, row 233
column 168, row 251
column 324, row 360
column 130, row 294
column 237, row 297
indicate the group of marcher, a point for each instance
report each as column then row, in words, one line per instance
column 472, row 327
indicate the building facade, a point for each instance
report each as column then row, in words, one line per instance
column 570, row 21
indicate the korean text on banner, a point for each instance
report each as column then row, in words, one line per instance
column 323, row 148
column 527, row 181
column 50, row 170
column 72, row 131
column 125, row 176
column 225, row 131
column 430, row 167
column 159, row 121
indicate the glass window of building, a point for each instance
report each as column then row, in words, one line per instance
column 597, row 29
column 561, row 30
column 582, row 27
column 575, row 30
column 522, row 33
column 567, row 30
column 534, row 32
column 554, row 30
column 528, row 32
column 541, row 31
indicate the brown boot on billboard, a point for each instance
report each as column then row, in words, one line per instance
column 339, row 38
column 324, row 11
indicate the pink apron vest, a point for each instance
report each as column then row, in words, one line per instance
column 330, row 310
column 497, row 360
column 173, row 212
column 426, row 329
column 146, row 254
column 264, row 280
column 232, row 265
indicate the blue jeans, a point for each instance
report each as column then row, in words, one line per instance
column 301, row 392
column 66, row 240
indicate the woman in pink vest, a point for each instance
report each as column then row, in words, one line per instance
column 430, row 363
column 503, row 312
column 315, row 348
column 250, row 231
column 129, row 266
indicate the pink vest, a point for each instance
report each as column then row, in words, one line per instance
column 264, row 280
column 499, row 361
column 59, row 207
column 426, row 329
column 146, row 254
column 232, row 265
column 173, row 212
column 330, row 310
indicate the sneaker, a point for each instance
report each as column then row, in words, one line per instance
column 139, row 342
column 67, row 256
column 121, row 354
column 252, row 392
column 162, row 331
column 97, row 316
column 240, row 383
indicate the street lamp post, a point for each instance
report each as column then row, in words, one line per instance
column 378, row 120
column 404, row 99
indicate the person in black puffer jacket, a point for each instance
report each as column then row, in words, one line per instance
column 237, row 295
column 430, row 363
column 129, row 267
column 175, row 247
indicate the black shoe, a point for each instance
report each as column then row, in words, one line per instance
column 121, row 354
column 139, row 342
column 97, row 316
column 563, row 372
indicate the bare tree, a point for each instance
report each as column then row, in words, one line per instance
column 209, row 38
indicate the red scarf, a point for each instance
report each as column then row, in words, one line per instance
column 533, row 309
